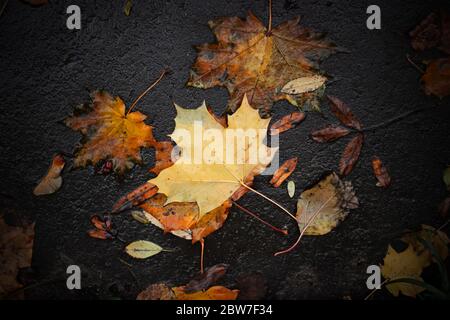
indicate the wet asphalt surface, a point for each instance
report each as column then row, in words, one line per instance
column 46, row 70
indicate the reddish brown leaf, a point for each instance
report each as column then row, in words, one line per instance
column 163, row 156
column 103, row 228
column 100, row 234
column 330, row 133
column 381, row 173
column 436, row 79
column 135, row 197
column 427, row 34
column 207, row 278
column 286, row 123
column 283, row 172
column 351, row 154
column 52, row 181
column 343, row 113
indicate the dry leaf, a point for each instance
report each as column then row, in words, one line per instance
column 52, row 181
column 291, row 188
column 110, row 133
column 330, row 133
column 213, row 293
column 16, row 248
column 325, row 205
column 142, row 249
column 163, row 156
column 128, row 6
column 103, row 228
column 436, row 79
column 207, row 278
column 214, row 182
column 381, row 173
column 304, row 84
column 283, row 172
column 286, row 123
column 158, row 291
column 343, row 113
column 410, row 262
column 249, row 60
column 433, row 31
column 351, row 155
column 135, row 197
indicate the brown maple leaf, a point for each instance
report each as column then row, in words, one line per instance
column 110, row 133
column 249, row 59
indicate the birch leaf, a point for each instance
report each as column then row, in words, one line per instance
column 142, row 249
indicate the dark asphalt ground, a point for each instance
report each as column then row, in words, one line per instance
column 46, row 70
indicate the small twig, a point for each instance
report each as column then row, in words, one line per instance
column 125, row 263
column 414, row 64
column 444, row 225
column 397, row 118
column 283, row 231
column 310, row 220
column 147, row 90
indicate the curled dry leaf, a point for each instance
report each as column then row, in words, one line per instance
column 436, row 79
column 351, row 155
column 52, row 181
column 142, row 249
column 287, row 122
column 410, row 260
column 16, row 248
column 343, row 113
column 325, row 205
column 110, row 133
column 247, row 59
column 330, row 133
column 283, row 172
column 207, row 278
column 381, row 173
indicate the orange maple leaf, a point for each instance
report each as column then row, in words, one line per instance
column 249, row 59
column 110, row 133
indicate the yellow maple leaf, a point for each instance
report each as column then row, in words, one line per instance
column 206, row 175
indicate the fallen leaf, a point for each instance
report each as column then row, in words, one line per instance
column 247, row 59
column 214, row 182
column 343, row 113
column 110, row 133
column 283, row 172
column 128, row 6
column 135, row 197
column 304, row 84
column 433, row 31
column 251, row 286
column 16, row 248
column 329, row 133
column 291, row 188
column 103, row 228
column 351, row 155
column 158, row 291
column 436, row 79
column 325, row 205
column 410, row 262
column 163, row 155
column 381, row 173
column 142, row 249
column 207, row 278
column 213, row 293
column 287, row 122
column 52, row 180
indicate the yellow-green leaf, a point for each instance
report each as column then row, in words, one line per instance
column 142, row 249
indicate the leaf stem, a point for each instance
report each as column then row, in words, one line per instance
column 283, row 231
column 202, row 244
column 269, row 28
column 414, row 64
column 147, row 90
column 302, row 232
